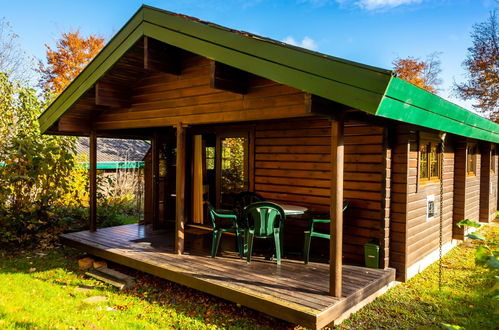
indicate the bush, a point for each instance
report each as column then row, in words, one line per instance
column 35, row 168
column 43, row 187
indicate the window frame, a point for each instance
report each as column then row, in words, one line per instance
column 432, row 149
column 471, row 158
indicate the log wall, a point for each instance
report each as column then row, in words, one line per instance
column 413, row 236
column 488, row 183
column 292, row 166
column 466, row 189
column 161, row 99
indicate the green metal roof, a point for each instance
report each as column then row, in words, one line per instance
column 373, row 90
column 115, row 165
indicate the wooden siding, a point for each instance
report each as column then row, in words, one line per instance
column 466, row 189
column 412, row 236
column 488, row 184
column 164, row 100
column 292, row 165
column 423, row 234
column 398, row 206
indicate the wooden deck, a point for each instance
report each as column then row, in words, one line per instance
column 293, row 291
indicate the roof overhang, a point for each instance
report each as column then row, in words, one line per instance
column 370, row 89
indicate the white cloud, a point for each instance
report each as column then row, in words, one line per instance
column 383, row 4
column 307, row 42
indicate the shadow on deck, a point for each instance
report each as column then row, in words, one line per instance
column 293, row 291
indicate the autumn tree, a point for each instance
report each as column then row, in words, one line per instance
column 422, row 73
column 70, row 56
column 482, row 68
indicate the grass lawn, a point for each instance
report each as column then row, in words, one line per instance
column 464, row 299
column 46, row 290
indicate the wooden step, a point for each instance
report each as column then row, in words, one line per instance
column 113, row 277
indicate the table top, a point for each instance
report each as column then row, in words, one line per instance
column 293, row 209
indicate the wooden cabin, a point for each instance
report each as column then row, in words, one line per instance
column 227, row 111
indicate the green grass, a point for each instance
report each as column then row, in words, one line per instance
column 464, row 300
column 41, row 291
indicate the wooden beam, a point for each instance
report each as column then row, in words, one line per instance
column 93, row 181
column 228, row 78
column 336, row 206
column 180, row 189
column 319, row 105
column 162, row 57
column 154, row 181
column 112, row 95
column 75, row 126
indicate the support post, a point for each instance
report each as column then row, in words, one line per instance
column 180, row 189
column 336, row 206
column 93, row 181
column 154, row 181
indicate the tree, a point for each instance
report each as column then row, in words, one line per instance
column 482, row 68
column 73, row 52
column 13, row 59
column 422, row 73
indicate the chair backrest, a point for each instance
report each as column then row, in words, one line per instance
column 263, row 217
column 218, row 219
column 212, row 214
column 246, row 198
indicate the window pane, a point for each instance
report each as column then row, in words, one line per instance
column 434, row 162
column 233, row 161
column 210, row 158
column 423, row 163
column 471, row 159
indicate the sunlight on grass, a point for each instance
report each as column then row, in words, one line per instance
column 464, row 299
column 44, row 291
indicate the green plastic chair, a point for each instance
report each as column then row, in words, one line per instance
column 312, row 233
column 264, row 220
column 224, row 221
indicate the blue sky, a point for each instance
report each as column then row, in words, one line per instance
column 373, row 32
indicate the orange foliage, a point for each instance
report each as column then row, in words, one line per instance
column 73, row 52
column 423, row 74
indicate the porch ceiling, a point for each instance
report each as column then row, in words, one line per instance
column 373, row 90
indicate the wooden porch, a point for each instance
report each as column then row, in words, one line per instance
column 293, row 291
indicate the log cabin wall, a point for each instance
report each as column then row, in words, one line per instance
column 488, row 182
column 413, row 237
column 292, row 165
column 423, row 233
column 161, row 99
column 466, row 189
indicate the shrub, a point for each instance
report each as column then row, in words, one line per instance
column 35, row 168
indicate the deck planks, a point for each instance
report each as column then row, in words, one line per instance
column 293, row 291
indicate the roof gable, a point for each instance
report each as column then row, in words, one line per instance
column 355, row 85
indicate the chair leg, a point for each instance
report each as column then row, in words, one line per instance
column 306, row 246
column 240, row 243
column 249, row 242
column 217, row 234
column 281, row 235
column 277, row 239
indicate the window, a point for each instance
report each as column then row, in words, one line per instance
column 210, row 158
column 430, row 161
column 472, row 151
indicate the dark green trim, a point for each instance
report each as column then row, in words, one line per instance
column 373, row 90
column 408, row 103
